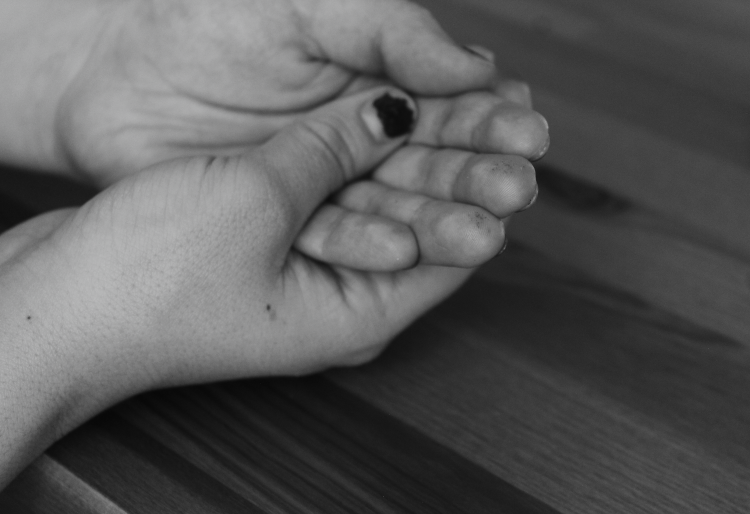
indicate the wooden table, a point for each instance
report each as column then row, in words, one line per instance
column 601, row 365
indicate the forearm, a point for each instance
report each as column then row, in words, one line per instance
column 30, row 410
column 43, row 44
column 33, row 394
column 43, row 393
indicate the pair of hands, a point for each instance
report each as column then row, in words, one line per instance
column 242, row 264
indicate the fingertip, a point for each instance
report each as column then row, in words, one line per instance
column 513, row 129
column 514, row 90
column 423, row 58
column 483, row 239
column 466, row 238
column 440, row 69
column 542, row 150
column 502, row 184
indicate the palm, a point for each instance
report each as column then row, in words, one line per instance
column 173, row 80
column 357, row 313
column 196, row 264
column 181, row 78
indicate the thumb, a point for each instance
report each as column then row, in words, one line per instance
column 336, row 144
column 400, row 40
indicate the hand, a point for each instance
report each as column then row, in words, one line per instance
column 176, row 78
column 187, row 272
column 161, row 80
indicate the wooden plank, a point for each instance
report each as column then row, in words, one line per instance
column 47, row 487
column 688, row 186
column 272, row 446
column 585, row 408
column 532, row 381
column 677, row 156
column 306, row 446
column 657, row 36
column 140, row 475
column 619, row 89
column 637, row 251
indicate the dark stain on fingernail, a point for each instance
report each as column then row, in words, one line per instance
column 395, row 114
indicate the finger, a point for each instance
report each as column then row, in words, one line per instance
column 334, row 145
column 501, row 184
column 398, row 39
column 481, row 122
column 508, row 84
column 513, row 89
column 448, row 233
column 338, row 236
column 386, row 303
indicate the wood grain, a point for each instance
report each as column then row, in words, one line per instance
column 675, row 180
column 673, row 150
column 638, row 251
column 48, row 487
column 655, row 36
column 274, row 446
column 532, row 390
column 601, row 365
column 582, row 406
column 655, row 141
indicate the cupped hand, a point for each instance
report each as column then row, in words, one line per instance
column 176, row 78
column 188, row 271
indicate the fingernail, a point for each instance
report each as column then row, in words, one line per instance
column 543, row 150
column 546, row 123
column 533, row 200
column 391, row 114
column 481, row 52
column 505, row 246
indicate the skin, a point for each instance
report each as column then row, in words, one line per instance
column 120, row 85
column 123, row 85
column 238, row 174
column 187, row 272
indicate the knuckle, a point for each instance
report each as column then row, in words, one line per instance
column 244, row 189
column 333, row 142
column 501, row 184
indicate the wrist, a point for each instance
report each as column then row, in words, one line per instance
column 38, row 400
column 47, row 387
